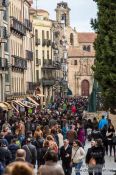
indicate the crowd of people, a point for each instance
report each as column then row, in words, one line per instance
column 58, row 131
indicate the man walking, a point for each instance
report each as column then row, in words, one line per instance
column 65, row 153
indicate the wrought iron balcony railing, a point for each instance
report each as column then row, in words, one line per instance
column 28, row 24
column 29, row 55
column 19, row 62
column 17, row 26
column 3, row 63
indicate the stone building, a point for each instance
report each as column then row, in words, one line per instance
column 45, row 64
column 80, row 61
column 20, row 46
column 4, row 51
column 81, row 54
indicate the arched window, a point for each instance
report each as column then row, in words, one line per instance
column 71, row 39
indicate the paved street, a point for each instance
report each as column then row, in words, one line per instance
column 109, row 165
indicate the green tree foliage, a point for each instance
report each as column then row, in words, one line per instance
column 105, row 47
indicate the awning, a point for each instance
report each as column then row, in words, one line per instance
column 3, row 106
column 33, row 101
column 24, row 105
column 17, row 102
column 8, row 105
column 40, row 95
column 14, row 107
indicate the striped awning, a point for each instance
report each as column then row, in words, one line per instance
column 29, row 98
column 3, row 106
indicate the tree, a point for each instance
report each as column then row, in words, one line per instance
column 105, row 47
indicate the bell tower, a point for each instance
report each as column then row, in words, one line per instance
column 63, row 13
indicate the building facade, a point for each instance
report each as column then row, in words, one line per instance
column 80, row 62
column 4, row 51
column 81, row 54
column 45, row 68
column 20, row 46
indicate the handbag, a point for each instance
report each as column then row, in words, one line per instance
column 92, row 162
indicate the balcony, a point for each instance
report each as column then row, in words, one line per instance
column 3, row 63
column 3, row 5
column 19, row 62
column 48, row 82
column 48, row 64
column 17, row 26
column 29, row 55
column 31, row 86
column 28, row 24
column 37, row 41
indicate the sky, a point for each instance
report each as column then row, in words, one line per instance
column 80, row 15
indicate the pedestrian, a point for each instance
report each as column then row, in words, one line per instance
column 31, row 152
column 102, row 122
column 81, row 136
column 78, row 155
column 110, row 134
column 51, row 166
column 19, row 168
column 88, row 157
column 13, row 147
column 95, row 158
column 20, row 155
column 65, row 154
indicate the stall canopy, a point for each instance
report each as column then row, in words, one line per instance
column 29, row 98
column 3, row 107
column 40, row 95
column 8, row 105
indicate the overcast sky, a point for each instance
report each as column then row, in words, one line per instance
column 81, row 12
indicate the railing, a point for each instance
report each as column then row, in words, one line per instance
column 19, row 62
column 48, row 82
column 17, row 26
column 29, row 55
column 28, row 24
column 3, row 63
column 32, row 85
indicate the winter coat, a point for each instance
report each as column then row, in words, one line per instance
column 51, row 168
column 60, row 138
column 31, row 153
column 63, row 154
column 97, row 153
column 13, row 149
column 78, row 154
column 81, row 135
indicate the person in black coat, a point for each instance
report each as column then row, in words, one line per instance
column 96, row 152
column 65, row 154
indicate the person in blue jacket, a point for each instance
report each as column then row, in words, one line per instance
column 102, row 122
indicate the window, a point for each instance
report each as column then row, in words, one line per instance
column 71, row 39
column 43, row 35
column 75, row 62
column 47, row 33
column 37, row 75
column 36, row 53
column 36, row 34
column 43, row 54
column 48, row 57
column 84, row 47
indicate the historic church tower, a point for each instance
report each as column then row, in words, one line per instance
column 63, row 13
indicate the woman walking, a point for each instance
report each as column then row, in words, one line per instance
column 78, row 155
